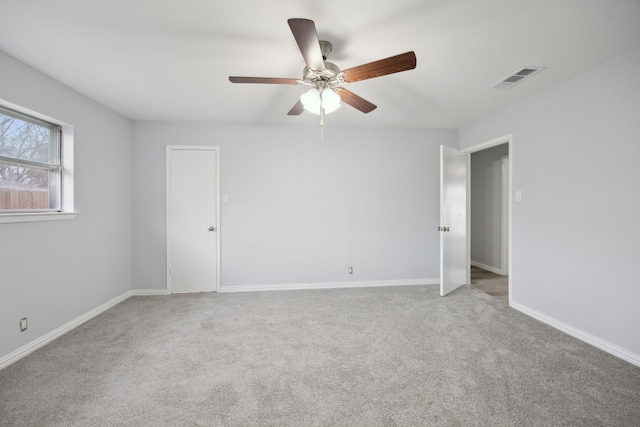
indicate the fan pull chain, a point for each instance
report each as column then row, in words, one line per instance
column 321, row 119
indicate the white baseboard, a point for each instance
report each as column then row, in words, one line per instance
column 488, row 268
column 581, row 335
column 329, row 285
column 149, row 292
column 56, row 333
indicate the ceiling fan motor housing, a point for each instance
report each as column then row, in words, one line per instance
column 329, row 74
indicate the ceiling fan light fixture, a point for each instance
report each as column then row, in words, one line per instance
column 311, row 101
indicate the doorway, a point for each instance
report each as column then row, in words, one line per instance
column 489, row 248
column 193, row 219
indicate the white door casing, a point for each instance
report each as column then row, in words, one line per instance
column 504, row 216
column 453, row 219
column 193, row 246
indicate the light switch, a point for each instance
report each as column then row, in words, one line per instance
column 518, row 195
column 225, row 199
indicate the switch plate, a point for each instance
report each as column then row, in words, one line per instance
column 518, row 195
column 225, row 199
column 23, row 324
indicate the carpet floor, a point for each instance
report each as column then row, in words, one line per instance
column 396, row 356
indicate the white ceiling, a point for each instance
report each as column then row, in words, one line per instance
column 170, row 59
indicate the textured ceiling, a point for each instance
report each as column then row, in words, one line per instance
column 170, row 60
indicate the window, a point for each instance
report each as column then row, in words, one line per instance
column 36, row 166
column 30, row 164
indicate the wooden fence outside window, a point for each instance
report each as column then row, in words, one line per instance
column 24, row 200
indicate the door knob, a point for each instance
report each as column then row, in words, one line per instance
column 212, row 228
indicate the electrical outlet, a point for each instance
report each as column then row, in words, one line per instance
column 23, row 324
column 350, row 270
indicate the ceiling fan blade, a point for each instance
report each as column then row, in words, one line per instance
column 264, row 80
column 395, row 64
column 304, row 31
column 355, row 101
column 297, row 109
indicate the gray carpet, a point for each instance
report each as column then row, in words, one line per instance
column 350, row 357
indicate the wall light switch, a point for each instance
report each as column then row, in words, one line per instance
column 518, row 195
column 225, row 199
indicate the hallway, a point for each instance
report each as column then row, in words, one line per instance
column 490, row 283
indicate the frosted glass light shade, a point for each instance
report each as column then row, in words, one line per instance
column 311, row 101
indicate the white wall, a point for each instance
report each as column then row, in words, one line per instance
column 486, row 206
column 302, row 210
column 54, row 272
column 576, row 234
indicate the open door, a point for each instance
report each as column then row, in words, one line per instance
column 453, row 219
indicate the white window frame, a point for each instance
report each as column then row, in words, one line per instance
column 66, row 201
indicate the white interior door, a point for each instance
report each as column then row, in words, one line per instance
column 192, row 219
column 453, row 219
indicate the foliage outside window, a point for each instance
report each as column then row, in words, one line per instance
column 30, row 164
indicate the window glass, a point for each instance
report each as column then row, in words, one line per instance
column 24, row 140
column 29, row 163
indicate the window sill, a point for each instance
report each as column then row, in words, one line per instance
column 36, row 217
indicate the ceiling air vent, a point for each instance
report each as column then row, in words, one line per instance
column 517, row 77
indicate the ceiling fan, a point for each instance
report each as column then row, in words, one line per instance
column 325, row 78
